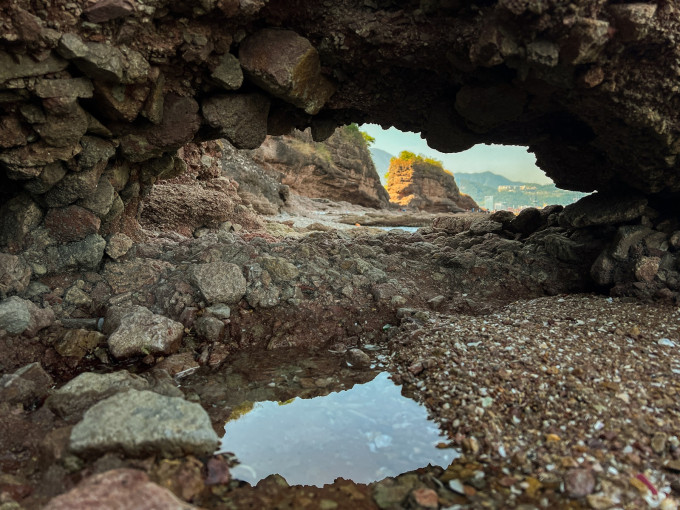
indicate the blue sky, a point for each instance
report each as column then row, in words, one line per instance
column 512, row 162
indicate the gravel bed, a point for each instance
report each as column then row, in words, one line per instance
column 571, row 401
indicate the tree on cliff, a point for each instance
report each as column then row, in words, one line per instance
column 423, row 183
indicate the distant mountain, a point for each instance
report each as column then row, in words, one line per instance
column 486, row 179
column 381, row 160
column 512, row 194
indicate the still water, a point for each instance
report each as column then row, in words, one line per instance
column 365, row 434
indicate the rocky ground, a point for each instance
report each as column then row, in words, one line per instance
column 565, row 401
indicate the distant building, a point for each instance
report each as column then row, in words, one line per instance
column 488, row 203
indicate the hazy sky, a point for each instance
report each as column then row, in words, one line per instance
column 512, row 162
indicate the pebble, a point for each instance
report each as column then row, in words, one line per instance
column 578, row 483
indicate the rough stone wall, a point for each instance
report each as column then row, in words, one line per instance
column 425, row 186
column 340, row 168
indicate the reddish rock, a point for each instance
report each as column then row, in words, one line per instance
column 578, row 483
column 425, row 498
column 218, row 471
column 120, row 488
column 71, row 223
column 415, row 182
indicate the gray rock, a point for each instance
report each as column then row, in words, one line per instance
column 674, row 240
column 97, row 60
column 73, row 186
column 142, row 332
column 101, row 200
column 25, row 386
column 85, row 254
column 564, row 249
column 287, row 66
column 15, row 274
column 15, row 315
column 605, row 270
column 228, row 73
column 240, row 118
column 101, row 11
column 603, row 209
column 64, row 129
column 219, row 282
column 209, row 328
column 95, row 149
column 219, row 310
column 19, row 66
column 627, row 236
column 49, row 176
column 18, row 216
column 280, row 270
column 263, row 296
column 527, row 221
column 68, row 88
column 485, row 227
column 79, row 394
column 141, row 423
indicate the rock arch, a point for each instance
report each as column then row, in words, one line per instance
column 96, row 97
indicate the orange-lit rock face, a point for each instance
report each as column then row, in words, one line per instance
column 425, row 186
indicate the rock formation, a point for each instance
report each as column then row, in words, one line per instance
column 423, row 184
column 339, row 168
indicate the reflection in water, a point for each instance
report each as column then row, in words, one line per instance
column 364, row 434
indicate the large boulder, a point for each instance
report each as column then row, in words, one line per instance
column 287, row 66
column 140, row 423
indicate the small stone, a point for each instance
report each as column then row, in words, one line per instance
column 424, row 498
column 647, row 268
column 142, row 332
column 600, row 501
column 228, row 73
column 659, row 442
column 69, row 88
column 15, row 315
column 219, row 282
column 219, row 310
column 209, row 328
column 218, row 471
column 578, row 483
column 26, row 386
column 142, row 423
column 357, row 358
column 15, row 274
column 673, row 465
column 78, row 343
column 118, row 245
